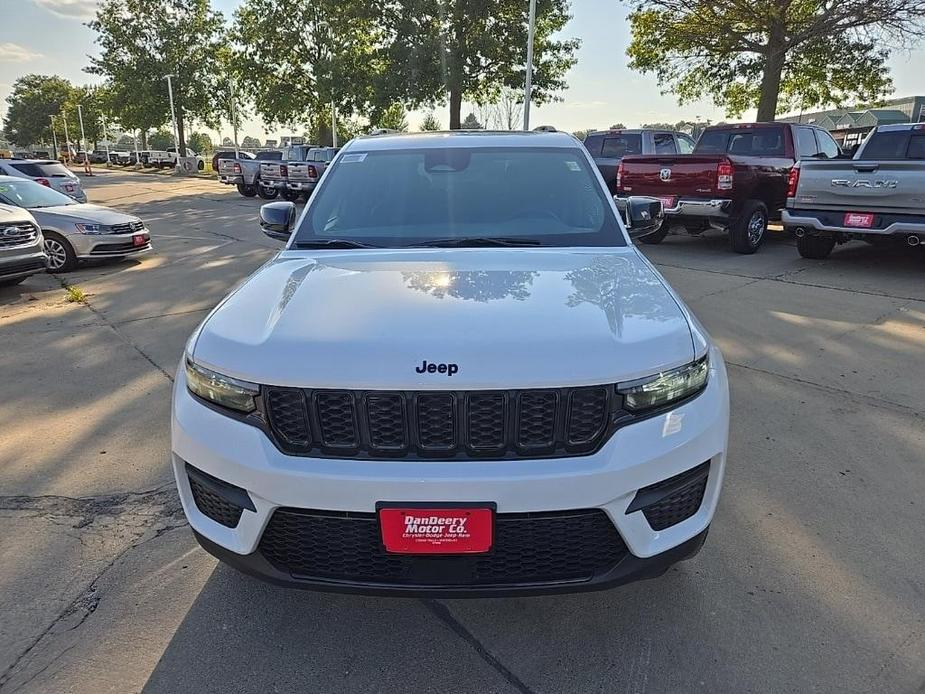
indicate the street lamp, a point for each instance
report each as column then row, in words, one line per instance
column 54, row 137
column 105, row 138
column 67, row 137
column 173, row 115
column 528, row 86
column 83, row 137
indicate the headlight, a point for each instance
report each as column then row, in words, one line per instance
column 92, row 228
column 222, row 390
column 666, row 387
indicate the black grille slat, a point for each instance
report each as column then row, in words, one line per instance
column 463, row 424
column 126, row 227
column 528, row 548
column 587, row 414
column 214, row 506
column 337, row 420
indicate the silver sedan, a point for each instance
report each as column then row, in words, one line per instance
column 76, row 231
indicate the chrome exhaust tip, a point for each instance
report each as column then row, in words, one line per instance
column 913, row 240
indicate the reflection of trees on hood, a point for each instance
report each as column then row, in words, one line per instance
column 476, row 285
column 600, row 284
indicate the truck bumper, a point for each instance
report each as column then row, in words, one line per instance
column 302, row 186
column 699, row 208
column 230, row 180
column 832, row 221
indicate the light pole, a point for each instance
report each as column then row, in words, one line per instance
column 106, row 139
column 67, row 138
column 528, row 86
column 137, row 158
column 83, row 137
column 54, row 138
column 234, row 123
column 173, row 115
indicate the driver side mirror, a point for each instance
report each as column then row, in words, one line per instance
column 277, row 219
column 644, row 216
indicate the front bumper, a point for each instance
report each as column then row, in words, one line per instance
column 88, row 246
column 831, row 221
column 636, row 456
column 23, row 263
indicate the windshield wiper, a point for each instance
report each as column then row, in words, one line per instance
column 476, row 241
column 333, row 243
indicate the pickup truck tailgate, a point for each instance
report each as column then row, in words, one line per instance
column 226, row 167
column 896, row 186
column 303, row 172
column 684, row 174
column 273, row 170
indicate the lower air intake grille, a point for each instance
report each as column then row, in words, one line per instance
column 213, row 505
column 679, row 497
column 555, row 547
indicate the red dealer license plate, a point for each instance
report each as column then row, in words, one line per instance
column 668, row 201
column 139, row 240
column 426, row 530
column 864, row 220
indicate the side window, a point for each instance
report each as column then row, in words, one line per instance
column 664, row 143
column 827, row 146
column 685, row 144
column 806, row 143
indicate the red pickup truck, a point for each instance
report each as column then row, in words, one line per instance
column 735, row 180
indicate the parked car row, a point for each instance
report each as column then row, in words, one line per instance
column 738, row 178
column 44, row 229
column 291, row 172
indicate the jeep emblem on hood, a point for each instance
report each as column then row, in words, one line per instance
column 431, row 368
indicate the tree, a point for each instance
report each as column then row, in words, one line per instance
column 298, row 56
column 34, row 98
column 125, row 142
column 618, row 126
column 439, row 50
column 582, row 134
column 141, row 41
column 771, row 54
column 160, row 139
column 249, row 141
column 200, row 143
column 471, row 123
column 510, row 108
column 227, row 142
column 430, row 123
column 393, row 118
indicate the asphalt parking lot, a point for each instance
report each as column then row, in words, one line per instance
column 812, row 579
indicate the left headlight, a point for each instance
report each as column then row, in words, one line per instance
column 222, row 390
column 92, row 228
column 666, row 387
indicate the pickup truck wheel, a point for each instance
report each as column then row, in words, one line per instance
column 748, row 231
column 291, row 195
column 815, row 247
column 247, row 191
column 656, row 236
column 200, row 165
column 267, row 193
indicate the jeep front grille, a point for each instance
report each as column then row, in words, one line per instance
column 551, row 422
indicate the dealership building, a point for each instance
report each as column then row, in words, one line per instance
column 849, row 126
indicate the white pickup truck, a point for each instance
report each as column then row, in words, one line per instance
column 878, row 196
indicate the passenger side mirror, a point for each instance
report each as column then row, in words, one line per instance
column 277, row 219
column 644, row 216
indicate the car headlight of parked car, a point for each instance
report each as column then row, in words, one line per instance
column 92, row 228
column 222, row 390
column 665, row 388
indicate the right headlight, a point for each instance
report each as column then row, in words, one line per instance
column 666, row 387
column 222, row 390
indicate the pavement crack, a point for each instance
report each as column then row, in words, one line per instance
column 442, row 612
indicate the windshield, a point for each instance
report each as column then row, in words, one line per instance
column 32, row 195
column 401, row 198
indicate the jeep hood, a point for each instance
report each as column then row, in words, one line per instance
column 508, row 318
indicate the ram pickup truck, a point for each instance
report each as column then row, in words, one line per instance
column 245, row 174
column 878, row 197
column 735, row 180
column 608, row 147
column 299, row 171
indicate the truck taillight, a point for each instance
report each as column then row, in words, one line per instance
column 312, row 171
column 43, row 181
column 724, row 173
column 237, row 168
column 620, row 176
column 793, row 180
column 283, row 170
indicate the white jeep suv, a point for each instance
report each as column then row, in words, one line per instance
column 458, row 378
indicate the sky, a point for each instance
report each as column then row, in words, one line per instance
column 49, row 37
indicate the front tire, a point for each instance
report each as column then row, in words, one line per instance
column 291, row 195
column 247, row 191
column 656, row 237
column 815, row 247
column 748, row 231
column 61, row 255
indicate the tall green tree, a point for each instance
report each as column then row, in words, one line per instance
column 773, row 55
column 430, row 123
column 393, row 118
column 294, row 57
column 471, row 123
column 142, row 41
column 450, row 50
column 33, row 99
